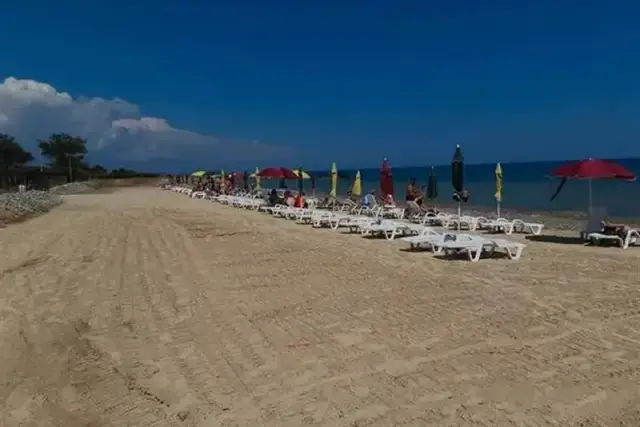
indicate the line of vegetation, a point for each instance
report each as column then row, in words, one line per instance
column 65, row 154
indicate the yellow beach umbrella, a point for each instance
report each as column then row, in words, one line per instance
column 223, row 179
column 498, row 194
column 199, row 173
column 356, row 190
column 298, row 172
column 334, row 181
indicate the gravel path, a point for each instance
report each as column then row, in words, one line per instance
column 18, row 206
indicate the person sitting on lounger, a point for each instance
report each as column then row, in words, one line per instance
column 299, row 200
column 370, row 199
column 613, row 229
column 389, row 201
column 289, row 200
column 273, row 197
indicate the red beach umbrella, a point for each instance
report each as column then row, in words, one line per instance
column 282, row 173
column 386, row 179
column 592, row 169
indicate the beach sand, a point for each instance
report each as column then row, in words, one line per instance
column 147, row 308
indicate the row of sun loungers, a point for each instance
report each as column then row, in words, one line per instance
column 453, row 234
column 385, row 222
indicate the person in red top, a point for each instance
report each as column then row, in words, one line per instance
column 299, row 203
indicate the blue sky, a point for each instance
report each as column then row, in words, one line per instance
column 349, row 81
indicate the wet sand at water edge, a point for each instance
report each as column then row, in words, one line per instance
column 147, row 308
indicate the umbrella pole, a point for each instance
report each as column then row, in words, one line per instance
column 590, row 197
column 498, row 209
column 459, row 213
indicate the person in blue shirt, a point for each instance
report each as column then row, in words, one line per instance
column 370, row 199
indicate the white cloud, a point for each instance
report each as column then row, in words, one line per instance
column 117, row 131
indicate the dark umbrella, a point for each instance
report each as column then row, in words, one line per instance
column 386, row 179
column 432, row 185
column 457, row 178
column 590, row 169
column 457, row 173
column 245, row 180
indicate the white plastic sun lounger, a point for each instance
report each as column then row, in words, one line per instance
column 304, row 215
column 475, row 245
column 502, row 225
column 353, row 222
column 631, row 238
column 464, row 222
column 391, row 229
column 427, row 237
column 322, row 218
column 594, row 223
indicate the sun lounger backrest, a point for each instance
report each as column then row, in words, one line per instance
column 413, row 208
column 594, row 222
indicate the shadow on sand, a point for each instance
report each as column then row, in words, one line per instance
column 563, row 240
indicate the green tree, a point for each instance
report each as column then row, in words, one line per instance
column 64, row 150
column 11, row 153
column 98, row 170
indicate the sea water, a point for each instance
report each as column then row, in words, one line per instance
column 526, row 186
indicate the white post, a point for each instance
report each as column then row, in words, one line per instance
column 590, row 197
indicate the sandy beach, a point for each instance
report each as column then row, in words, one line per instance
column 147, row 308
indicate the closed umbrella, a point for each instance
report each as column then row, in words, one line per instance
column 386, row 179
column 498, row 187
column 432, row 185
column 356, row 190
column 591, row 169
column 457, row 178
column 334, row 181
column 245, row 181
